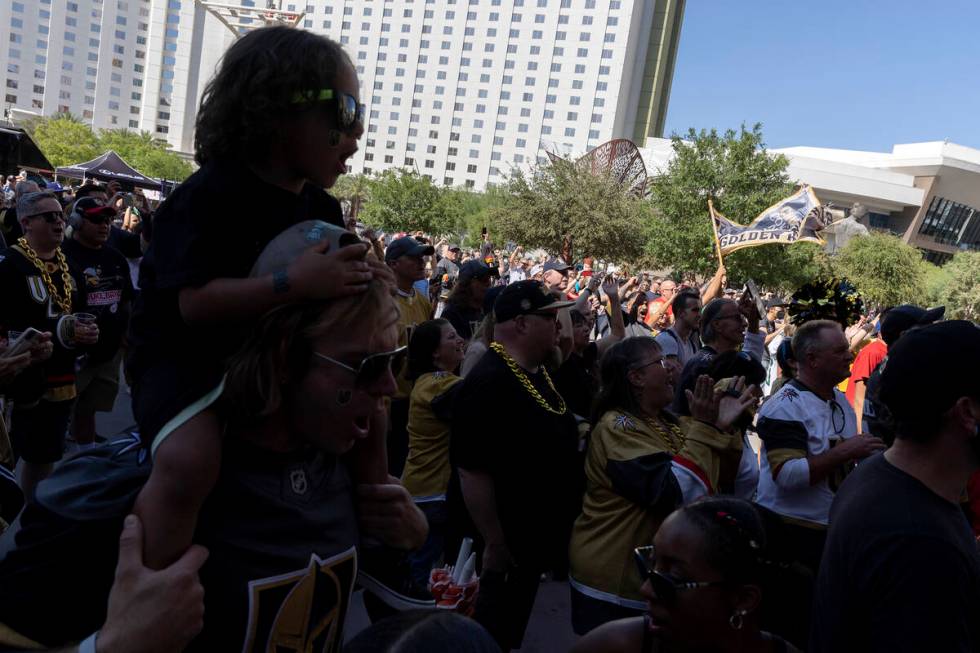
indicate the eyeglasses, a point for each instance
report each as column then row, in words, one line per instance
column 372, row 367
column 661, row 361
column 664, row 587
column 349, row 112
column 51, row 217
column 733, row 316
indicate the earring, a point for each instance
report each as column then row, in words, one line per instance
column 736, row 621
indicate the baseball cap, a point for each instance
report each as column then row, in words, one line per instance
column 291, row 242
column 453, row 246
column 523, row 297
column 474, row 268
column 54, row 187
column 946, row 354
column 902, row 318
column 491, row 297
column 407, row 246
column 89, row 207
column 556, row 265
column 536, row 269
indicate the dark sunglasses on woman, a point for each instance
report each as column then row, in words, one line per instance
column 349, row 112
column 372, row 367
column 664, row 587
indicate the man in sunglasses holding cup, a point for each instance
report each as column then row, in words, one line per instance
column 41, row 292
column 106, row 294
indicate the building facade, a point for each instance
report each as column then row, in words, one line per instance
column 926, row 193
column 461, row 90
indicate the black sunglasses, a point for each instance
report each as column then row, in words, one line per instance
column 51, row 217
column 372, row 367
column 349, row 112
column 664, row 587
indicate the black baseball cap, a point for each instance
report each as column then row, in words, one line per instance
column 899, row 319
column 556, row 265
column 407, row 246
column 476, row 269
column 929, row 368
column 523, row 297
column 90, row 207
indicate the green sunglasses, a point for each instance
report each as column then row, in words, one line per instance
column 349, row 112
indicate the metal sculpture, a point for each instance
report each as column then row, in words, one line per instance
column 618, row 158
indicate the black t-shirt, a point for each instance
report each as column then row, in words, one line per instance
column 26, row 302
column 107, row 291
column 900, row 570
column 213, row 226
column 577, row 381
column 280, row 528
column 125, row 242
column 530, row 453
column 462, row 318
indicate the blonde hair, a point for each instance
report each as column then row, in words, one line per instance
column 279, row 349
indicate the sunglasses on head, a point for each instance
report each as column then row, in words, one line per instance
column 349, row 112
column 664, row 587
column 372, row 367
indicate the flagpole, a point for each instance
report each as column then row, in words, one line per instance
column 714, row 230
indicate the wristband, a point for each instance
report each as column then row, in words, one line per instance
column 88, row 644
column 280, row 282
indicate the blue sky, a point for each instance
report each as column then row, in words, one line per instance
column 853, row 74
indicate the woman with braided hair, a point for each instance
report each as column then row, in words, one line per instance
column 705, row 577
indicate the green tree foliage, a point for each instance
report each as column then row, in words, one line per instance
column 961, row 292
column 150, row 156
column 354, row 189
column 470, row 212
column 565, row 208
column 885, row 270
column 64, row 140
column 404, row 200
column 742, row 179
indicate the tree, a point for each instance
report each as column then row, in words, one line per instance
column 885, row 270
column 742, row 179
column 150, row 156
column 64, row 140
column 470, row 212
column 562, row 207
column 961, row 292
column 353, row 189
column 404, row 200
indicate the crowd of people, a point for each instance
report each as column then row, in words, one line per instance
column 321, row 407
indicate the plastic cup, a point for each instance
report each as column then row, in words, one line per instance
column 84, row 319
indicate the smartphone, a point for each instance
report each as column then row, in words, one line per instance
column 22, row 344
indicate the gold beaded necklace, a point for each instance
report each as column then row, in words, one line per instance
column 63, row 302
column 526, row 382
column 671, row 434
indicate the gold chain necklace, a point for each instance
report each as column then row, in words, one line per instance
column 63, row 302
column 671, row 433
column 526, row 382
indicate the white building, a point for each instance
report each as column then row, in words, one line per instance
column 133, row 64
column 927, row 193
column 461, row 90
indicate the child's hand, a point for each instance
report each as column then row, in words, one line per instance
column 319, row 274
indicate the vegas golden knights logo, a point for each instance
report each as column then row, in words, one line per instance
column 302, row 611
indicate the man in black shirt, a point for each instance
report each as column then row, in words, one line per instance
column 40, row 291
column 513, row 440
column 900, row 569
column 106, row 293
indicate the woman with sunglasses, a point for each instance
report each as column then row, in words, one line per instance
column 434, row 354
column 704, row 580
column 280, row 118
column 284, row 520
column 630, row 481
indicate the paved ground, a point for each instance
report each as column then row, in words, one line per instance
column 550, row 629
